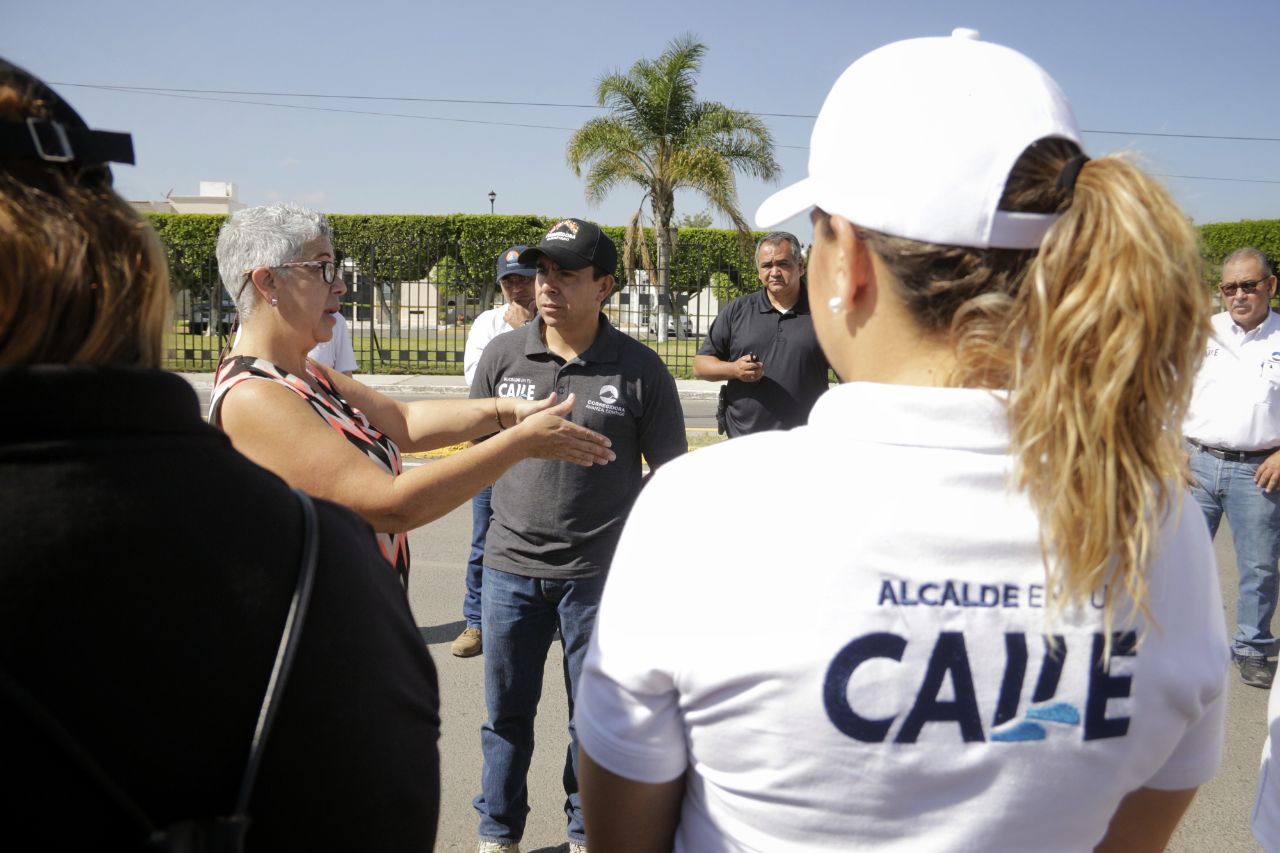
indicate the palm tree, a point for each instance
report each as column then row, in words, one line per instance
column 660, row 136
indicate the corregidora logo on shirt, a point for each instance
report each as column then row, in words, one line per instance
column 515, row 386
column 943, row 674
column 609, row 396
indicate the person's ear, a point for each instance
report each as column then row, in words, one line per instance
column 863, row 267
column 855, row 272
column 265, row 282
column 606, row 284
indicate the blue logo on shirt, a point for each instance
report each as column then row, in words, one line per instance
column 949, row 664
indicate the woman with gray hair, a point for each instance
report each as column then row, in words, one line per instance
column 278, row 264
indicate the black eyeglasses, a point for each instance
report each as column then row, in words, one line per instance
column 328, row 269
column 1247, row 287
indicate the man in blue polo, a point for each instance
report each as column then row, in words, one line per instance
column 763, row 347
column 555, row 525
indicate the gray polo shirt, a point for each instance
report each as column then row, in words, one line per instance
column 556, row 519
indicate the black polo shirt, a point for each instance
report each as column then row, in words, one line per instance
column 560, row 520
column 795, row 370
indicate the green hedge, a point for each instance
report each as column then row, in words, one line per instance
column 189, row 240
column 1220, row 238
column 406, row 248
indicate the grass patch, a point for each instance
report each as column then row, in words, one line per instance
column 703, row 438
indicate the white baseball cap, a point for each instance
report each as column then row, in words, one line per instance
column 917, row 139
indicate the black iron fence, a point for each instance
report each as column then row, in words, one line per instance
column 410, row 307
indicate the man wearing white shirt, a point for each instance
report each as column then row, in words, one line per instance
column 1233, row 435
column 1266, row 808
column 516, row 281
column 336, row 352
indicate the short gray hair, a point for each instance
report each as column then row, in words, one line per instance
column 773, row 238
column 1253, row 254
column 263, row 236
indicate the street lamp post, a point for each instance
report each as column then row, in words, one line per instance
column 492, row 196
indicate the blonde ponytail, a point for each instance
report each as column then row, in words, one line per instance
column 1097, row 337
column 1106, row 333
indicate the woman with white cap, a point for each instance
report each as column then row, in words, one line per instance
column 1013, row 632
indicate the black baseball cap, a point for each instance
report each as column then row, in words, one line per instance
column 62, row 136
column 574, row 244
column 509, row 263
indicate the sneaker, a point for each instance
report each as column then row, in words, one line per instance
column 496, row 846
column 468, row 644
column 577, row 847
column 1254, row 671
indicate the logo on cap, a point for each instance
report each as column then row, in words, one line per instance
column 513, row 256
column 558, row 231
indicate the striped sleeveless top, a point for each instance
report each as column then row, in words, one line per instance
column 340, row 415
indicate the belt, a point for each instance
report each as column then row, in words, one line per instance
column 1230, row 455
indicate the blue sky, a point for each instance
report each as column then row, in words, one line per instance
column 1128, row 66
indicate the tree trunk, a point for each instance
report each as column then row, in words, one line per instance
column 662, row 221
column 678, row 320
column 389, row 292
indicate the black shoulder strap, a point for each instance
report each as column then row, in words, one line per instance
column 204, row 834
column 288, row 649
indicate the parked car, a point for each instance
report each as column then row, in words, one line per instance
column 198, row 321
column 686, row 326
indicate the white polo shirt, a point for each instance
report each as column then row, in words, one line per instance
column 847, row 651
column 486, row 326
column 1236, row 402
column 1266, row 810
column 336, row 352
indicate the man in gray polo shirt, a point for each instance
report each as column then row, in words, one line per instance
column 555, row 525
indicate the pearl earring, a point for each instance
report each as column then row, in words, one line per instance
column 835, row 304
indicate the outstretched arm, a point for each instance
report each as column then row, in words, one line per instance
column 427, row 424
column 276, row 428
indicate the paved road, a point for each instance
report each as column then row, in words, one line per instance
column 1218, row 821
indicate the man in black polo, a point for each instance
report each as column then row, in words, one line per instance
column 555, row 525
column 764, row 345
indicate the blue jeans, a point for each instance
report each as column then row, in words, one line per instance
column 1254, row 515
column 520, row 618
column 481, row 514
